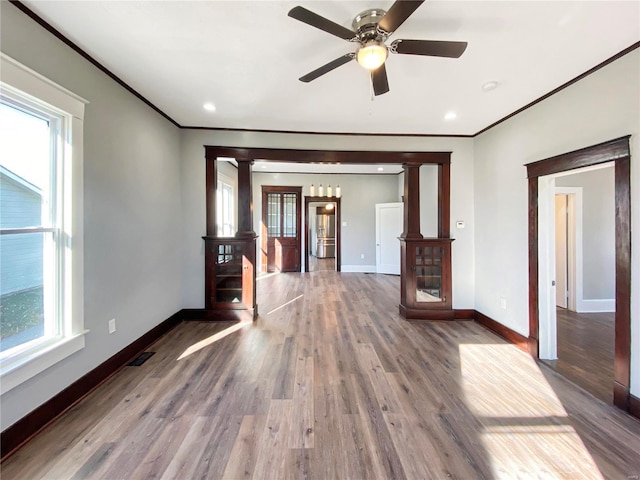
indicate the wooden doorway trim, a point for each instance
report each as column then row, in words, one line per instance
column 297, row 191
column 616, row 151
column 307, row 201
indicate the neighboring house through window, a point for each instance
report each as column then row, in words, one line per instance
column 41, row 285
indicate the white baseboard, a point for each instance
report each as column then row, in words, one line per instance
column 597, row 305
column 358, row 268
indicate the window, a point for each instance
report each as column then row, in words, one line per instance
column 41, row 304
column 225, row 207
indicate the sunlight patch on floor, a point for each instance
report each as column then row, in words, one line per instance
column 285, row 304
column 214, row 338
column 517, row 409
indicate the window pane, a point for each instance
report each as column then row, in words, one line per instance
column 289, row 219
column 24, row 169
column 22, row 289
column 273, row 214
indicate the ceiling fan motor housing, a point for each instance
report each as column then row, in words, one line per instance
column 366, row 25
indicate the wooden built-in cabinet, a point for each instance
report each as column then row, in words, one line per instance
column 425, row 291
column 229, row 272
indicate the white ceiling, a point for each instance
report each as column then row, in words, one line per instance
column 246, row 58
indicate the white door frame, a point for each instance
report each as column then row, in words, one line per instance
column 548, row 330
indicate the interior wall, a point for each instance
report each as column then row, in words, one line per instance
column 603, row 106
column 360, row 193
column 193, row 194
column 598, row 231
column 132, row 209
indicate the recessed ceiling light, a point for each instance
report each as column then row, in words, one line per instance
column 209, row 107
column 264, row 166
column 380, row 169
column 488, row 86
column 451, row 116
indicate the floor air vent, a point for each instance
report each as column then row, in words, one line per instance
column 140, row 359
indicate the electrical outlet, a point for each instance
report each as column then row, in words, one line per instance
column 362, row 255
column 503, row 303
column 112, row 326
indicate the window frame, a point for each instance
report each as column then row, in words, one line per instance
column 33, row 93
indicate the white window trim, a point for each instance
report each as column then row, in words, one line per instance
column 22, row 81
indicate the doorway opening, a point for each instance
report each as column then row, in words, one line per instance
column 542, row 305
column 322, row 233
column 581, row 327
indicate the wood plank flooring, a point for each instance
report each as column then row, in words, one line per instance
column 586, row 351
column 321, row 264
column 330, row 383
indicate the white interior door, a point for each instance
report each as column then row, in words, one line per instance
column 561, row 251
column 389, row 220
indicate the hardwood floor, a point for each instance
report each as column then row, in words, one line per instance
column 321, row 264
column 586, row 351
column 331, row 383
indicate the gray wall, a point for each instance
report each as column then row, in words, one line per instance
column 132, row 252
column 602, row 106
column 598, row 231
column 360, row 193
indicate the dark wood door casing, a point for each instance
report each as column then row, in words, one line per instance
column 281, row 252
column 616, row 151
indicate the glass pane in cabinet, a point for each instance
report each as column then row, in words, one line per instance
column 429, row 284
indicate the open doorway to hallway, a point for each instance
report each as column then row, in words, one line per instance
column 584, row 278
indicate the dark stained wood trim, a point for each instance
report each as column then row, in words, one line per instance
column 506, row 333
column 307, row 201
column 52, row 30
column 618, row 151
column 217, row 315
column 328, row 156
column 245, row 199
column 31, row 424
column 563, row 86
column 419, row 314
column 464, row 314
column 622, row 365
column 585, row 157
column 411, row 200
column 634, row 406
column 533, row 266
column 444, row 200
column 348, row 134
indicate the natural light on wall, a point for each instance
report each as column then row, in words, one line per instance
column 41, row 251
column 506, row 406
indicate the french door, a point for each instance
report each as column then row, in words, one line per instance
column 281, row 238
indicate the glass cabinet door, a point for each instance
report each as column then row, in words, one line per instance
column 429, row 274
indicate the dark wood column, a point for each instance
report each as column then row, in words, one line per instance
column 245, row 200
column 212, row 183
column 411, row 202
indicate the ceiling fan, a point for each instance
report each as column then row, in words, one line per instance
column 371, row 29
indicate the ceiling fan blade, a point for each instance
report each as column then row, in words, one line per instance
column 324, row 24
column 318, row 72
column 397, row 14
column 379, row 80
column 432, row 48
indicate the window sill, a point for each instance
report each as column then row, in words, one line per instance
column 13, row 373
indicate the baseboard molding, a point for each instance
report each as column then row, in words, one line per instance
column 358, row 269
column 28, row 426
column 634, row 406
column 222, row 315
column 509, row 335
column 464, row 314
column 602, row 305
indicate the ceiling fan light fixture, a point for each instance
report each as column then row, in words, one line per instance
column 372, row 54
